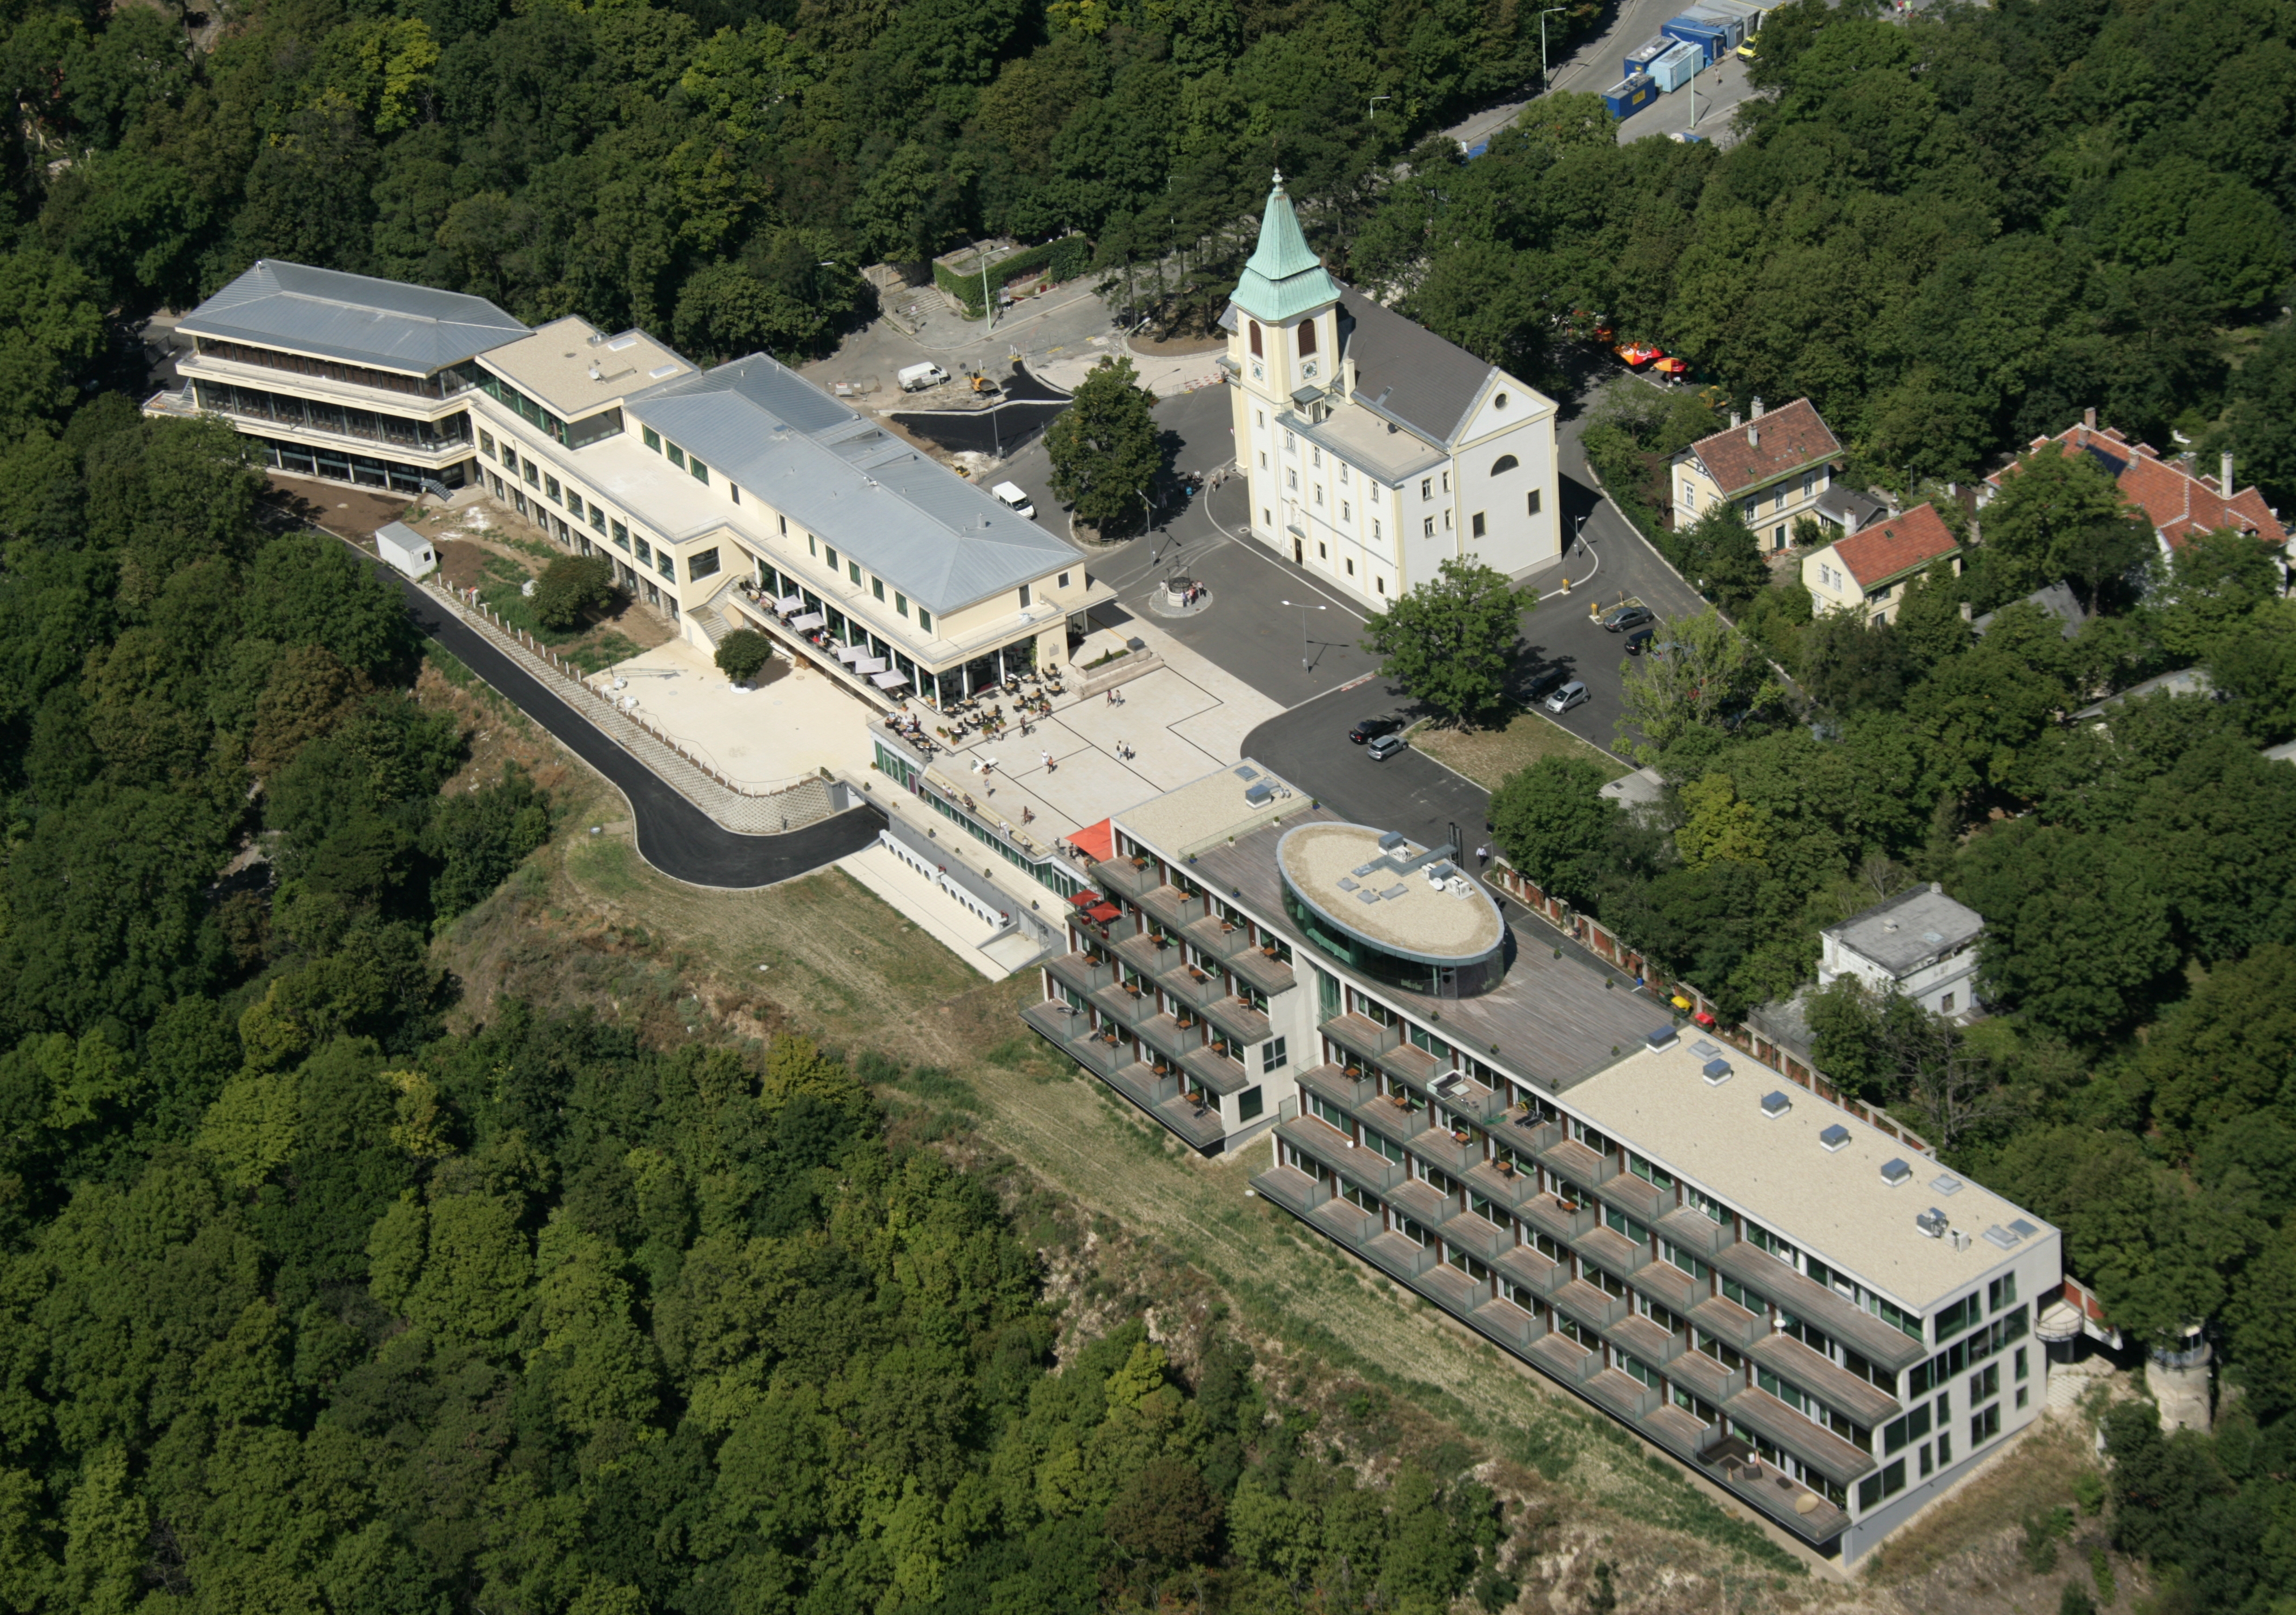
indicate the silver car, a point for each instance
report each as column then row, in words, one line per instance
column 1570, row 695
column 1384, row 748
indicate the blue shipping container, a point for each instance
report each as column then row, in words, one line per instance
column 1627, row 98
column 1734, row 28
column 1639, row 59
column 1674, row 70
column 1706, row 35
column 1751, row 14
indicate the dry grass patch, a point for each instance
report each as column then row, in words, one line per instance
column 1487, row 756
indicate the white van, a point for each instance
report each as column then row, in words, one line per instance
column 917, row 378
column 1013, row 497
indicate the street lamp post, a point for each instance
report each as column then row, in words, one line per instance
column 987, row 306
column 1543, row 85
column 1303, row 609
column 1372, row 110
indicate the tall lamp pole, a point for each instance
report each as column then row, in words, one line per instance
column 1543, row 85
column 1303, row 609
column 988, row 306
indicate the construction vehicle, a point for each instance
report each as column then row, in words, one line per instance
column 984, row 388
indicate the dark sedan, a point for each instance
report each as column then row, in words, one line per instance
column 1372, row 728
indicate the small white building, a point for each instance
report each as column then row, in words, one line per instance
column 1920, row 943
column 405, row 548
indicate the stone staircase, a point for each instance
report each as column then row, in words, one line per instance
column 752, row 813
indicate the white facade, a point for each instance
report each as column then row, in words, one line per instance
column 1921, row 944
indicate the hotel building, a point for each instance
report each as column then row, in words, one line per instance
column 1792, row 1300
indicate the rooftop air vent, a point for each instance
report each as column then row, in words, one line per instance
column 1259, row 795
column 660, row 371
column 2023, row 1229
column 1392, row 839
column 1346, row 884
column 1998, row 1235
column 1895, row 1171
column 621, row 342
column 1396, row 890
column 1945, row 1184
column 1659, row 1036
column 1776, row 1103
column 1704, row 1050
column 1367, row 895
column 1717, row 1072
column 1960, row 1240
column 1362, row 870
column 1834, row 1137
column 1930, row 1222
column 1245, row 771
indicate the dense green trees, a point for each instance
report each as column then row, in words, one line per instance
column 1451, row 642
column 1103, row 449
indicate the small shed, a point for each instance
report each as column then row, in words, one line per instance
column 405, row 548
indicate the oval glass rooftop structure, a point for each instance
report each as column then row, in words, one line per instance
column 1382, row 906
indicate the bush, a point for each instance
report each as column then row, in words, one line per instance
column 570, row 588
column 743, row 655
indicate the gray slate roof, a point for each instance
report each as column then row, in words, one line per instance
column 387, row 324
column 2056, row 599
column 922, row 527
column 1909, row 929
column 1405, row 371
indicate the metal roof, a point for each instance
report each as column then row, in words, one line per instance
column 1404, row 371
column 387, row 324
column 922, row 529
column 1284, row 279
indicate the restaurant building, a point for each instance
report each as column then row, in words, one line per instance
column 738, row 496
column 1793, row 1300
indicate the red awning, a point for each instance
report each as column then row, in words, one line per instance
column 1097, row 841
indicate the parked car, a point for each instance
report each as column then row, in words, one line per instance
column 1372, row 728
column 1573, row 694
column 1627, row 614
column 1384, row 748
column 1640, row 640
column 1548, row 682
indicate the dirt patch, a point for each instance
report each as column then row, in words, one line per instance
column 495, row 732
column 1176, row 346
column 355, row 513
column 1489, row 756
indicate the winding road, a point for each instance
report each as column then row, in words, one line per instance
column 673, row 835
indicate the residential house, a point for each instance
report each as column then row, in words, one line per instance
column 1775, row 467
column 1920, row 943
column 1867, row 571
column 2175, row 497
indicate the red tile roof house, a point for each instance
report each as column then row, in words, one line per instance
column 1774, row 467
column 2177, row 502
column 1867, row 571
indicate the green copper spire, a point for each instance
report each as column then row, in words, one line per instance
column 1283, row 280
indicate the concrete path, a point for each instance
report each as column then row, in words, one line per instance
column 673, row 835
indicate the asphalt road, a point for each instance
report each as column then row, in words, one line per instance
column 673, row 835
column 1028, row 406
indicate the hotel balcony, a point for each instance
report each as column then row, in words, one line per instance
column 1123, row 877
column 1706, row 1378
column 1260, row 968
column 1465, row 1231
column 1666, row 1285
column 1421, row 1202
column 1321, row 1142
column 1625, row 1394
column 1579, row 1164
column 1649, row 1341
column 1190, row 984
column 1220, row 939
column 1217, row 1071
column 1456, row 1154
column 1399, row 1257
column 1694, row 1231
column 1550, row 1217
column 1728, row 1321
column 1565, row 1358
column 1591, row 1307
column 1081, row 973
column 1462, row 1095
column 1525, row 1267
column 1235, row 1018
column 1825, row 1380
column 1497, row 1182
column 1332, row 1085
column 1816, row 1303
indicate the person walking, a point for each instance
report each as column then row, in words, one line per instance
column 1482, row 856
column 1049, row 760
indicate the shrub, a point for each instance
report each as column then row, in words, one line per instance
column 743, row 655
column 572, row 587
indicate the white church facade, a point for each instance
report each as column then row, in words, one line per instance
column 1375, row 450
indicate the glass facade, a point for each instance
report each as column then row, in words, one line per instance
column 1465, row 978
column 446, row 383
column 315, row 414
column 365, row 471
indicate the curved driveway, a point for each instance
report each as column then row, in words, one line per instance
column 673, row 835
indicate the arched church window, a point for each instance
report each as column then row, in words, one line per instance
column 1505, row 464
column 1307, row 338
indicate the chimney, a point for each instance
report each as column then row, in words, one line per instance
column 2223, row 483
column 1734, row 420
column 2088, row 418
column 1753, row 435
column 1757, row 409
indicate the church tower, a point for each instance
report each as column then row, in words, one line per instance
column 1284, row 347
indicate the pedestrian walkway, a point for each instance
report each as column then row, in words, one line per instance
column 695, row 778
